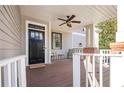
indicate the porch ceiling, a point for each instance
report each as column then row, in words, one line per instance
column 88, row 14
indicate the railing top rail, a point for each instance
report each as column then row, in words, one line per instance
column 94, row 54
column 10, row 60
column 104, row 49
column 99, row 48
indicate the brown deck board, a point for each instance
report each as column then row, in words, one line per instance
column 59, row 74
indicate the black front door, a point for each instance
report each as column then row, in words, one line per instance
column 36, row 47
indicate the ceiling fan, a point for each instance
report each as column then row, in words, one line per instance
column 69, row 20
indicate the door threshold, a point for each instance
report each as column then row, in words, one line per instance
column 39, row 65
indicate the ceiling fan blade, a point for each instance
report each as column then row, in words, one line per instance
column 61, row 19
column 70, row 18
column 76, row 21
column 62, row 23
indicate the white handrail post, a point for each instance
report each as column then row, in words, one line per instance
column 22, row 72
column 0, row 77
column 14, row 74
column 101, row 52
column 7, row 75
column 116, row 71
column 101, row 72
column 76, row 70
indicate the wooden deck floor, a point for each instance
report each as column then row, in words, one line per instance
column 59, row 74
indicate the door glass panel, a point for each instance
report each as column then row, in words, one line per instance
column 36, row 35
column 41, row 36
column 32, row 35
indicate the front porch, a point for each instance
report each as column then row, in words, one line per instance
column 24, row 26
column 60, row 74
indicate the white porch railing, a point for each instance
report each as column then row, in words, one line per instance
column 89, row 63
column 105, row 59
column 13, row 72
column 77, row 50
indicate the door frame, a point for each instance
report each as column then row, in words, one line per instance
column 27, row 41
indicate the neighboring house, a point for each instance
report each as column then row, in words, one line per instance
column 33, row 33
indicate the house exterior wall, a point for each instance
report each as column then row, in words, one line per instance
column 10, row 32
column 66, row 43
column 66, row 37
column 76, row 39
column 69, row 41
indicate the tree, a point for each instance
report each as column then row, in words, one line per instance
column 108, row 32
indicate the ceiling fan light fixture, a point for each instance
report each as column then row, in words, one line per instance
column 69, row 20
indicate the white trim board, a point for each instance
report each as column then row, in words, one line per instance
column 27, row 42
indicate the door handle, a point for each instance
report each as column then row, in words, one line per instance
column 44, row 48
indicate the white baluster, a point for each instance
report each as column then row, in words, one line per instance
column 76, row 70
column 7, row 75
column 9, row 72
column 87, row 60
column 101, row 74
column 22, row 73
column 14, row 74
column 93, row 71
column 103, row 58
column 0, row 77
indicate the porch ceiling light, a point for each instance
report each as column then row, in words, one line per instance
column 84, row 29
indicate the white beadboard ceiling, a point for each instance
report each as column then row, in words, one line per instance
column 87, row 14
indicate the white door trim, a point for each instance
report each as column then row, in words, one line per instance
column 27, row 41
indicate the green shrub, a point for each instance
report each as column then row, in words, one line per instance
column 108, row 32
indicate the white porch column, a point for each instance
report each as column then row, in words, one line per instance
column 120, row 36
column 89, row 35
column 49, row 44
column 120, row 32
column 92, row 38
column 95, row 37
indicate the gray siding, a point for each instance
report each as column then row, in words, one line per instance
column 10, row 32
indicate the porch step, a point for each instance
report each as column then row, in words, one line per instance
column 37, row 66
